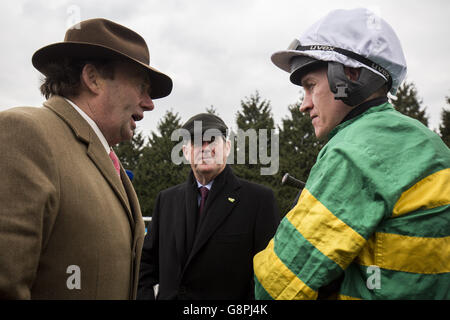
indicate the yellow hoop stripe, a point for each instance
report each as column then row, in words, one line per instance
column 330, row 235
column 407, row 254
column 278, row 281
column 430, row 192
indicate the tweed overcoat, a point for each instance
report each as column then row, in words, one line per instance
column 70, row 228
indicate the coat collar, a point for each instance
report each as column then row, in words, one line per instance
column 370, row 108
column 95, row 150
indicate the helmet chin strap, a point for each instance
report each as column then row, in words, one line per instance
column 352, row 92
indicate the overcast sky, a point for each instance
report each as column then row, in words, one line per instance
column 217, row 52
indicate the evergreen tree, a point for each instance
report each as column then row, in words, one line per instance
column 409, row 104
column 255, row 116
column 129, row 152
column 212, row 110
column 299, row 148
column 155, row 169
column 444, row 127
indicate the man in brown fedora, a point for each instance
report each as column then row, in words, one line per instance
column 70, row 222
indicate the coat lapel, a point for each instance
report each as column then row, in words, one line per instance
column 98, row 155
column 221, row 201
column 131, row 196
column 95, row 149
column 187, row 221
column 179, row 221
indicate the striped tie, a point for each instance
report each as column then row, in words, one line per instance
column 204, row 194
column 115, row 161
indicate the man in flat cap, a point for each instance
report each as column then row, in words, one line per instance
column 70, row 222
column 205, row 232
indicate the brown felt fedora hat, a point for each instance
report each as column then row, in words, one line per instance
column 101, row 38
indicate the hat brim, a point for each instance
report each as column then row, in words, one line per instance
column 282, row 59
column 161, row 84
column 305, row 63
column 208, row 121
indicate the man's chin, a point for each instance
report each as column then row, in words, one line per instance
column 211, row 168
column 207, row 172
column 206, row 167
column 206, row 162
column 126, row 134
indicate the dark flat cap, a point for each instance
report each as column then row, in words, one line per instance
column 208, row 121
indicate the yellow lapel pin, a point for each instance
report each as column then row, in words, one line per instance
column 231, row 200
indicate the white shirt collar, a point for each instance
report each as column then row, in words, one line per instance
column 93, row 125
column 209, row 185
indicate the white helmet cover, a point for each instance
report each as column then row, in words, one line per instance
column 357, row 31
